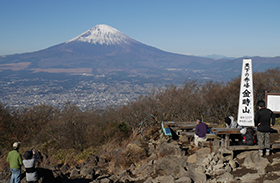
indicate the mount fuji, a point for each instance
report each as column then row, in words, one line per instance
column 103, row 34
column 105, row 50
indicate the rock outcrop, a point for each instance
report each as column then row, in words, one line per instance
column 166, row 161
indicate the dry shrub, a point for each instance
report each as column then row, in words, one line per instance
column 108, row 150
column 266, row 81
column 132, row 154
column 71, row 128
column 71, row 157
column 136, row 153
column 6, row 128
column 150, row 133
column 217, row 101
column 3, row 164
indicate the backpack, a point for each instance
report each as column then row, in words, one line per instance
column 249, row 137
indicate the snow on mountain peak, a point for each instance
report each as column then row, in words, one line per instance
column 102, row 34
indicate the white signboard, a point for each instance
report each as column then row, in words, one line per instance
column 246, row 101
column 273, row 102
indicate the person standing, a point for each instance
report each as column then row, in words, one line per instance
column 200, row 132
column 263, row 122
column 15, row 160
column 29, row 164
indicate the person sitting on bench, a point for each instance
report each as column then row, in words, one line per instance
column 200, row 132
column 230, row 122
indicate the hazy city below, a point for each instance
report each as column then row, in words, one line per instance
column 85, row 91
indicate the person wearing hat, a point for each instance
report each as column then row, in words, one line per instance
column 200, row 132
column 15, row 160
column 29, row 164
column 230, row 122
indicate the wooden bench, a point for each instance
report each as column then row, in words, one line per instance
column 187, row 133
column 247, row 147
column 212, row 141
column 208, row 143
column 208, row 136
column 185, row 126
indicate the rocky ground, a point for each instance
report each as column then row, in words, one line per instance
column 165, row 161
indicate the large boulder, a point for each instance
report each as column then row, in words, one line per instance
column 161, row 179
column 183, row 180
column 43, row 159
column 94, row 160
column 201, row 154
column 145, row 170
column 196, row 176
column 211, row 164
column 152, row 147
column 272, row 181
column 249, row 177
column 87, row 172
column 171, row 166
column 254, row 161
column 226, row 177
column 170, row 149
column 75, row 173
column 165, row 179
column 64, row 168
column 192, row 158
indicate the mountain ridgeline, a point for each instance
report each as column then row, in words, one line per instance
column 105, row 50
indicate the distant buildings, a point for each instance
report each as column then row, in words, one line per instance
column 84, row 93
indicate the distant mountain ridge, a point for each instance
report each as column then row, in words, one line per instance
column 215, row 56
column 105, row 50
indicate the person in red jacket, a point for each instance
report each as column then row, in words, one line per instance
column 263, row 122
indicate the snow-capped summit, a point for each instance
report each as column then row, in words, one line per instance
column 102, row 34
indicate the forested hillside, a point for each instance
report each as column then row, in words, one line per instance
column 70, row 134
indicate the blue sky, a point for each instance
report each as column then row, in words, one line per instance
column 233, row 28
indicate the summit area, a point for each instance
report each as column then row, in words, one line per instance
column 103, row 34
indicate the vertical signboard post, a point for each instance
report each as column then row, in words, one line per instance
column 246, row 103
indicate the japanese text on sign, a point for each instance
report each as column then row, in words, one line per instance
column 246, row 109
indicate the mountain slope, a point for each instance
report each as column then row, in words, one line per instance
column 103, row 49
